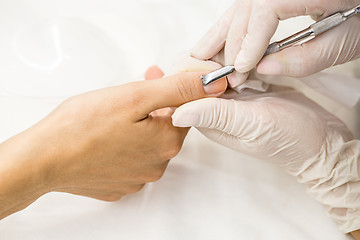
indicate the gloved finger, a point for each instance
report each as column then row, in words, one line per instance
column 214, row 40
column 337, row 46
column 154, row 72
column 217, row 114
column 219, row 58
column 236, row 79
column 262, row 26
column 228, row 140
column 234, row 40
column 237, row 32
column 319, row 12
column 190, row 64
column 264, row 20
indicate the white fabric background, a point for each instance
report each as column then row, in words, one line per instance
column 53, row 49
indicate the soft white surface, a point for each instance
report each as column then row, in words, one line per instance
column 208, row 192
column 346, row 91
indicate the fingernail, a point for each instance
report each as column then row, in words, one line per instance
column 185, row 120
column 269, row 67
column 216, row 88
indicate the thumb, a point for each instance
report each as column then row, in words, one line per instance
column 335, row 47
column 172, row 91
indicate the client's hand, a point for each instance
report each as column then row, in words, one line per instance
column 103, row 144
column 294, row 132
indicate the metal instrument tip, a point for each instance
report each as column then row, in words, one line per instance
column 216, row 75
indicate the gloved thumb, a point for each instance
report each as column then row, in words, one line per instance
column 215, row 114
column 338, row 46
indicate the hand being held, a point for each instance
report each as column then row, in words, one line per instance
column 103, row 144
column 244, row 32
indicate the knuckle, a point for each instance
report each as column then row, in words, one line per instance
column 303, row 64
column 182, row 90
column 136, row 97
column 188, row 90
column 136, row 100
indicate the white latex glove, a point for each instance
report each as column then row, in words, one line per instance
column 245, row 30
column 290, row 130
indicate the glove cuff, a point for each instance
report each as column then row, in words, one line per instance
column 333, row 178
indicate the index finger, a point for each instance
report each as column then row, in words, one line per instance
column 172, row 91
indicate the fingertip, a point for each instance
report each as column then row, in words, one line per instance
column 236, row 79
column 244, row 63
column 241, row 65
column 153, row 72
column 186, row 115
column 183, row 121
column 192, row 80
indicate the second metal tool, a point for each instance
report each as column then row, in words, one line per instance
column 302, row 36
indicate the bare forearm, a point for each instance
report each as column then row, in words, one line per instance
column 21, row 177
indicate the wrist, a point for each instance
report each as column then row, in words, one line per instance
column 335, row 185
column 23, row 172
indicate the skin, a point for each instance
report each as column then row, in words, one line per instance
column 356, row 234
column 103, row 144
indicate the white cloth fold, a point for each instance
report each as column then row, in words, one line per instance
column 343, row 89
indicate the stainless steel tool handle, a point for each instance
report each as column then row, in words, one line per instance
column 312, row 31
column 328, row 23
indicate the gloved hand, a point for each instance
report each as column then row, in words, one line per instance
column 245, row 30
column 288, row 129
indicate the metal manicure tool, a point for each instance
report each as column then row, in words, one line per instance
column 302, row 36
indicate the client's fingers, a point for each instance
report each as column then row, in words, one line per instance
column 164, row 112
column 154, row 72
column 171, row 91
